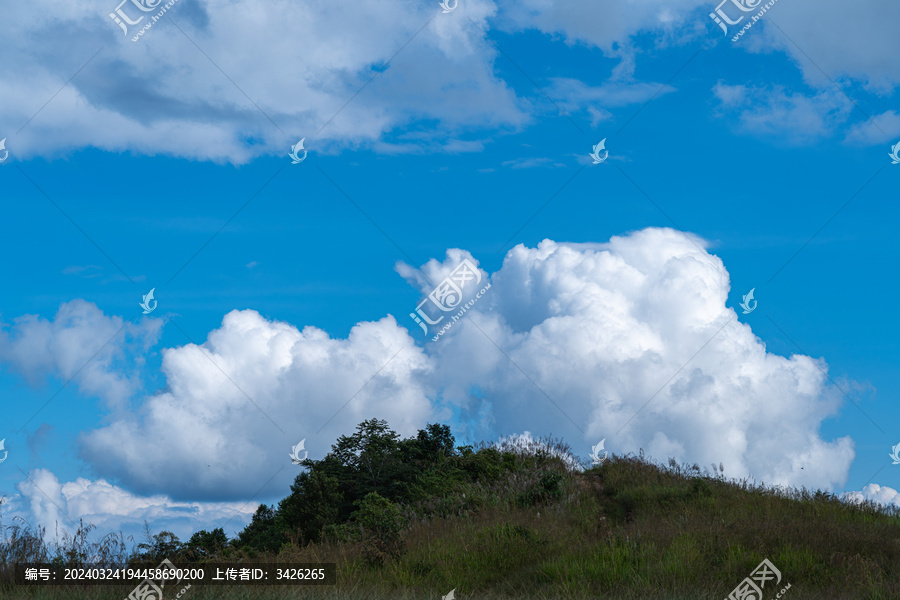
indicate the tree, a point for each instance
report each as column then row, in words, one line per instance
column 381, row 524
column 370, row 460
column 313, row 504
column 206, row 543
column 262, row 533
column 373, row 460
column 163, row 545
column 435, row 443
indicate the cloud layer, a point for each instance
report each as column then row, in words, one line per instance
column 230, row 81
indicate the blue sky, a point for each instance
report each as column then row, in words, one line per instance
column 757, row 164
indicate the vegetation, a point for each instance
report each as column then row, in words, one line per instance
column 416, row 518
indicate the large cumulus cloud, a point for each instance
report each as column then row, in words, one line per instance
column 630, row 340
column 235, row 405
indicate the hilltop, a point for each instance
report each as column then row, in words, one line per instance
column 419, row 517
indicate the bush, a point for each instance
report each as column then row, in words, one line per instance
column 206, row 543
column 381, row 524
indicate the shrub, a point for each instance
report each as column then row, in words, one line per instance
column 381, row 524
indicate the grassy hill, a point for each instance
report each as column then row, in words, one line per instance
column 417, row 518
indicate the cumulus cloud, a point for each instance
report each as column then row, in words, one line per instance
column 43, row 494
column 80, row 342
column 236, row 404
column 875, row 493
column 60, row 506
column 632, row 341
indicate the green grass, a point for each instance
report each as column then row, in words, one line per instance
column 627, row 530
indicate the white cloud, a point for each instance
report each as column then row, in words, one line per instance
column 880, row 129
column 45, row 500
column 829, row 41
column 591, row 333
column 773, row 112
column 80, row 342
column 299, row 63
column 572, row 94
column 60, row 506
column 203, row 438
column 831, row 36
column 606, row 25
column 842, row 40
column 876, row 493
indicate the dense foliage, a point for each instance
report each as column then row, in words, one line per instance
column 372, row 465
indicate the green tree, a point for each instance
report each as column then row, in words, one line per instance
column 164, row 544
column 312, row 505
column 263, row 533
column 370, row 460
column 381, row 524
column 207, row 543
column 432, row 445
